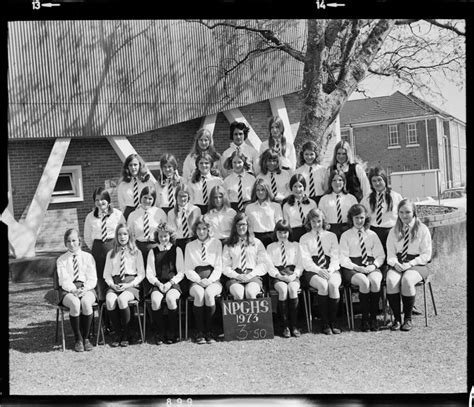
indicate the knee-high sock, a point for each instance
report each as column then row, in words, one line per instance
column 199, row 318
column 323, row 308
column 364, row 305
column 115, row 320
column 172, row 322
column 374, row 305
column 394, row 302
column 75, row 328
column 293, row 311
column 333, row 305
column 282, row 309
column 408, row 302
column 209, row 312
column 86, row 322
column 158, row 320
column 124, row 320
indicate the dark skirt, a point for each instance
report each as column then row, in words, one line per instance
column 346, row 274
column 424, row 271
column 235, row 206
column 128, row 210
column 265, row 237
column 145, row 247
column 382, row 233
column 99, row 252
column 232, row 281
column 127, row 279
column 78, row 284
column 166, row 210
column 182, row 242
column 297, row 232
column 273, row 281
column 203, row 208
column 339, row 229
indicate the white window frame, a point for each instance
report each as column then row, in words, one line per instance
column 76, row 194
column 412, row 135
column 392, row 127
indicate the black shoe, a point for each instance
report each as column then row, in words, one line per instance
column 327, row 330
column 296, row 332
column 396, row 326
column 200, row 340
column 374, row 326
column 210, row 338
column 158, row 340
column 365, row 327
column 79, row 346
column 124, row 343
column 407, row 325
column 335, row 330
column 134, row 339
column 415, row 311
column 88, row 345
column 286, row 332
column 115, row 341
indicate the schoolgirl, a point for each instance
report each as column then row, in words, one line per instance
column 314, row 173
column 164, row 272
column 263, row 213
column 277, row 141
column 239, row 132
column 183, row 216
column 336, row 203
column 99, row 230
column 381, row 203
column 135, row 176
column 167, row 182
column 408, row 252
column 239, row 182
column 297, row 206
column 203, row 143
column 245, row 260
column 361, row 256
column 344, row 161
column 203, row 181
column 77, row 278
column 320, row 261
column 203, row 268
column 272, row 172
column 285, row 272
column 219, row 215
column 123, row 273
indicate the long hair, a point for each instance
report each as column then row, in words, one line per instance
column 169, row 159
column 201, row 220
column 242, row 156
column 346, row 146
column 399, row 224
column 271, row 141
column 148, row 190
column 196, row 177
column 311, row 146
column 182, row 187
column 379, row 172
column 165, row 227
column 241, row 126
column 196, row 150
column 262, row 182
column 218, row 189
column 293, row 180
column 316, row 213
column 234, row 236
column 356, row 210
column 143, row 173
column 132, row 248
column 102, row 194
column 332, row 174
column 267, row 155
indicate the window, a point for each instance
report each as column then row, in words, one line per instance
column 68, row 186
column 346, row 136
column 393, row 139
column 412, row 136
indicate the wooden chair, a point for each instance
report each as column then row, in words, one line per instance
column 147, row 303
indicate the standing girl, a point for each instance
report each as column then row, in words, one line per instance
column 135, row 176
column 203, row 268
column 245, row 260
column 408, row 252
column 361, row 256
column 343, row 160
column 285, row 272
column 274, row 175
column 336, row 203
column 239, row 132
column 239, row 182
column 99, row 230
column 263, row 213
column 277, row 141
column 220, row 215
column 313, row 172
column 203, row 143
column 183, row 216
column 167, row 182
column 297, row 206
column 164, row 271
column 123, row 273
column 77, row 278
column 203, row 181
column 320, row 261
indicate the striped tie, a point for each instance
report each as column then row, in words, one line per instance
column 103, row 227
column 240, row 195
column 379, row 209
column 203, row 251
column 122, row 263
column 135, row 192
column 184, row 224
column 362, row 249
column 273, row 184
column 338, row 209
column 243, row 257
column 146, row 225
column 75, row 265
column 170, row 194
column 205, row 197
column 283, row 254
column 406, row 239
column 312, row 192
column 300, row 209
column 321, row 256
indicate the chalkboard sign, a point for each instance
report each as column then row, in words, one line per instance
column 247, row 319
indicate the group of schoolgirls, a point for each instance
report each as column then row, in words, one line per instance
column 230, row 220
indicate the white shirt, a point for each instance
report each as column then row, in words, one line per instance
column 162, row 196
column 319, row 177
column 309, row 248
column 247, row 150
column 93, row 226
column 87, row 270
column 192, row 212
column 256, row 259
column 293, row 257
column 133, row 266
column 231, row 185
column 189, row 166
column 136, row 222
column 125, row 192
column 220, row 222
column 282, row 183
column 389, row 218
column 263, row 217
column 196, row 188
column 151, row 269
column 327, row 204
column 349, row 246
column 289, row 160
column 193, row 259
column 292, row 213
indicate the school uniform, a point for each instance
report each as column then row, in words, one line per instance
column 296, row 215
column 101, row 243
column 288, row 161
column 315, row 176
column 166, row 191
column 263, row 218
column 231, row 185
column 220, row 222
column 127, row 200
column 328, row 204
column 189, row 166
column 252, row 155
column 182, row 222
column 282, row 182
column 197, row 190
column 357, row 183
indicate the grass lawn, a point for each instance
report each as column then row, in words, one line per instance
column 429, row 359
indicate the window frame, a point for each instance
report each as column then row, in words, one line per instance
column 411, row 128
column 76, row 194
column 390, row 133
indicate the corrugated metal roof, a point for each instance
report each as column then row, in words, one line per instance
column 91, row 78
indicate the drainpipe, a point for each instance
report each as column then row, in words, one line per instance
column 427, row 144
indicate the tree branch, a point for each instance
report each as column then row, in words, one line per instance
column 447, row 26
